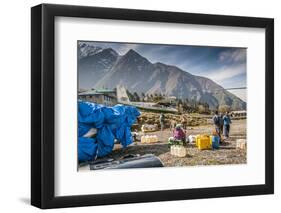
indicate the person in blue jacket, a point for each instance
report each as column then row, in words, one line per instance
column 226, row 125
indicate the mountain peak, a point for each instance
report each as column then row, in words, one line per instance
column 133, row 52
column 134, row 56
column 87, row 49
column 110, row 51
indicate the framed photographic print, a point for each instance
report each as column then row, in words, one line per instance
column 139, row 106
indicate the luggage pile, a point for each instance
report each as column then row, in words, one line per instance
column 149, row 139
column 177, row 147
column 99, row 126
column 204, row 142
column 149, row 127
column 192, row 138
column 241, row 144
column 178, row 151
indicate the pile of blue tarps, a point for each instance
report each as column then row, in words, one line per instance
column 111, row 123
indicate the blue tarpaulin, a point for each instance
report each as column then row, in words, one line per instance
column 111, row 123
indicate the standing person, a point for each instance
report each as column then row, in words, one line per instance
column 183, row 122
column 173, row 124
column 226, row 125
column 217, row 123
column 162, row 121
column 221, row 125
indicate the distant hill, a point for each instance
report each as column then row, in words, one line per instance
column 106, row 68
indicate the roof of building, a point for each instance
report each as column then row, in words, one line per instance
column 102, row 90
column 97, row 92
column 241, row 111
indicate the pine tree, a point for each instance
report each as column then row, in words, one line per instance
column 136, row 96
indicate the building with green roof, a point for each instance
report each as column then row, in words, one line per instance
column 103, row 96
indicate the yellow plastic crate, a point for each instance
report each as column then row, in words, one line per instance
column 204, row 142
column 202, row 136
column 197, row 138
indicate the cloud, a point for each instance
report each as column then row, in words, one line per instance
column 225, row 66
column 242, row 94
column 226, row 72
column 124, row 48
column 233, row 56
column 230, row 68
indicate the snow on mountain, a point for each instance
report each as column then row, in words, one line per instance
column 87, row 49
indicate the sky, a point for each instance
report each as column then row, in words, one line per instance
column 224, row 65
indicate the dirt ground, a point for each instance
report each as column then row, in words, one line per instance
column 227, row 154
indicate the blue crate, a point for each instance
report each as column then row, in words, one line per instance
column 215, row 142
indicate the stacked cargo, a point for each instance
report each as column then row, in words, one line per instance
column 207, row 142
column 241, row 144
column 191, row 138
column 178, row 151
column 149, row 139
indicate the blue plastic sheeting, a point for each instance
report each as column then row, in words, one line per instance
column 111, row 123
column 86, row 148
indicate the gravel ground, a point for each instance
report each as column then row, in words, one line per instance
column 227, row 154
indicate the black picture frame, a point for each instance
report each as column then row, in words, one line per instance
column 43, row 102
